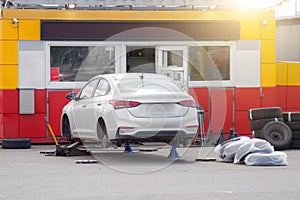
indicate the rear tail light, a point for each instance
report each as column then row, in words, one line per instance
column 187, row 103
column 118, row 104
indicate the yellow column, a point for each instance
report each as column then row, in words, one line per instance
column 8, row 54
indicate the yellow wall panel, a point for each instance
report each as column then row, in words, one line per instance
column 281, row 73
column 9, row 76
column 250, row 30
column 8, row 52
column 8, row 31
column 29, row 30
column 293, row 74
column 268, row 75
column 268, row 30
column 138, row 15
column 268, row 51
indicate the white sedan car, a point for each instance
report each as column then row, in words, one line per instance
column 121, row 108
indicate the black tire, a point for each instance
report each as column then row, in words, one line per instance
column 258, row 124
column 294, row 126
column 291, row 116
column 278, row 134
column 16, row 143
column 262, row 113
column 295, row 144
column 258, row 134
column 296, row 135
column 66, row 129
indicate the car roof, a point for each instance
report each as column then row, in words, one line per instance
column 134, row 76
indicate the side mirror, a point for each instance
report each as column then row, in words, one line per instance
column 71, row 96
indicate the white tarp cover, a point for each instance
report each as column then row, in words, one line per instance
column 276, row 158
column 254, row 145
column 228, row 149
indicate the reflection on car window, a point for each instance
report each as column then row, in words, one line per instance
column 149, row 85
column 87, row 91
column 102, row 88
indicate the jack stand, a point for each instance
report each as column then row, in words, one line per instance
column 128, row 148
column 221, row 138
column 173, row 153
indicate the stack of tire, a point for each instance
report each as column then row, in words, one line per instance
column 292, row 119
column 268, row 124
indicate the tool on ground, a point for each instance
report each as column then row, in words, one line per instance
column 64, row 150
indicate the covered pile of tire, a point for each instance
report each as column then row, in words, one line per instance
column 292, row 119
column 268, row 124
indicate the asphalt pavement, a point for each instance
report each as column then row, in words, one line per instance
column 27, row 174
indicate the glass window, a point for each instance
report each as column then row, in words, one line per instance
column 140, row 59
column 148, row 86
column 209, row 63
column 88, row 89
column 80, row 63
column 102, row 88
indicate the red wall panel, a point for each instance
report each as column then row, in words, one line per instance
column 293, row 96
column 221, row 110
column 201, row 96
column 281, row 97
column 9, row 126
column 242, row 123
column 40, row 101
column 9, row 101
column 247, row 98
column 269, row 97
column 57, row 100
column 32, row 126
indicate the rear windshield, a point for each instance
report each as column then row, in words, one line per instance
column 149, row 85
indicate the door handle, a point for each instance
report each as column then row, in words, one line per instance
column 84, row 106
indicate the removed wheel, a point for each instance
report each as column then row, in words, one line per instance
column 291, row 116
column 296, row 135
column 258, row 124
column 257, row 134
column 262, row 113
column 278, row 134
column 295, row 144
column 16, row 143
column 294, row 126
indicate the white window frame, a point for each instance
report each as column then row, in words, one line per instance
column 120, row 55
column 74, row 84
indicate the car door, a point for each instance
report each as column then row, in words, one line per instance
column 95, row 107
column 80, row 108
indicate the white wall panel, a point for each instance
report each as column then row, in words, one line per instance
column 247, row 68
column 32, row 66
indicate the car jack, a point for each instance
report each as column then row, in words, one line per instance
column 173, row 152
column 64, row 150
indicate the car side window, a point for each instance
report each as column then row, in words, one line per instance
column 102, row 89
column 88, row 89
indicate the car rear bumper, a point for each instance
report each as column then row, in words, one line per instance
column 156, row 136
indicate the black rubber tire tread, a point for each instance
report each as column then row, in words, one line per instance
column 257, row 134
column 291, row 116
column 294, row 126
column 296, row 135
column 263, row 113
column 258, row 124
column 278, row 134
column 295, row 144
column 16, row 143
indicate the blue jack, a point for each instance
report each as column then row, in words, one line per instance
column 173, row 153
column 128, row 148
